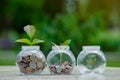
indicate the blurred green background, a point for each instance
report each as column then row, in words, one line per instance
column 85, row 22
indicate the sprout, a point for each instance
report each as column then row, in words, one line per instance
column 67, row 42
column 30, row 30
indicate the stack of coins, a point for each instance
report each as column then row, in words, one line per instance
column 65, row 68
column 29, row 64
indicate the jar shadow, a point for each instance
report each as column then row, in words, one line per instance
column 91, row 76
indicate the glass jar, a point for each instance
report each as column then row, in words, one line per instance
column 91, row 59
column 60, row 60
column 30, row 60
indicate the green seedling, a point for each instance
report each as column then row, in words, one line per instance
column 66, row 43
column 30, row 30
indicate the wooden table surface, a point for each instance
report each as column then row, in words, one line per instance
column 12, row 73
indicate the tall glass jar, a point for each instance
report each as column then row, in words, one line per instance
column 60, row 60
column 91, row 59
column 30, row 60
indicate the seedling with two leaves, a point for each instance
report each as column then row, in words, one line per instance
column 66, row 43
column 30, row 30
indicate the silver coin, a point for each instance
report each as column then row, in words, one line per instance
column 32, row 65
column 58, row 69
column 33, row 58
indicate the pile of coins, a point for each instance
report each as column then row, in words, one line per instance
column 29, row 64
column 65, row 68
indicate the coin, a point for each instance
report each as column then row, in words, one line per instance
column 28, row 70
column 65, row 63
column 58, row 69
column 40, row 64
column 33, row 58
column 53, row 69
column 32, row 65
column 25, row 58
column 65, row 68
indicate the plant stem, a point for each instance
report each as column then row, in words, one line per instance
column 60, row 58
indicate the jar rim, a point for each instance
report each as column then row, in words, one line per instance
column 30, row 47
column 91, row 47
column 60, row 47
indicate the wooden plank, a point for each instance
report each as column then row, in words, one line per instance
column 12, row 73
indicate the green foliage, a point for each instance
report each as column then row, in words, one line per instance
column 91, row 26
column 27, row 41
column 94, row 28
column 65, row 43
column 30, row 30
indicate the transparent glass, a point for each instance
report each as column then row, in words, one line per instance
column 60, row 60
column 91, row 59
column 30, row 60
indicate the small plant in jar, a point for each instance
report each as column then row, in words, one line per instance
column 30, row 59
column 61, row 60
column 91, row 60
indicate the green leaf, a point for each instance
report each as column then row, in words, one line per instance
column 30, row 30
column 26, row 41
column 54, row 44
column 36, row 41
column 67, row 42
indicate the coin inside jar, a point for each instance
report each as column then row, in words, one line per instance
column 65, row 68
column 30, row 64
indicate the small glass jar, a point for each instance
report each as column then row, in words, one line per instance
column 91, row 59
column 60, row 60
column 30, row 60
